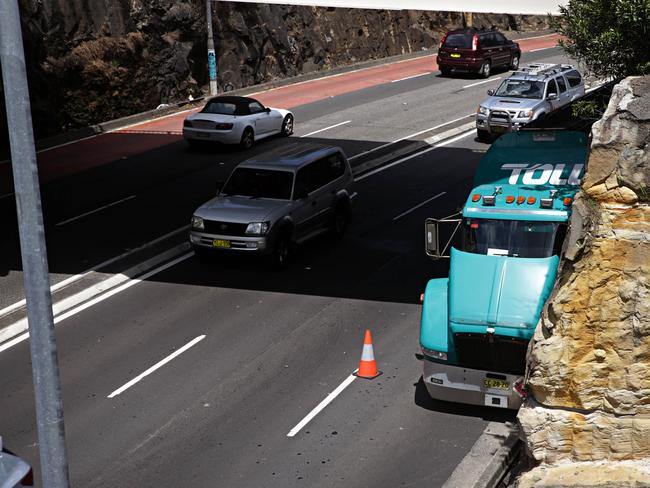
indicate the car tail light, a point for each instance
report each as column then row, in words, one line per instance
column 531, row 200
column 510, row 199
column 223, row 126
column 187, row 123
column 474, row 42
column 567, row 201
column 476, row 197
column 520, row 199
column 442, row 41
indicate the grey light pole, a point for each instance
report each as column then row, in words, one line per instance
column 212, row 55
column 45, row 370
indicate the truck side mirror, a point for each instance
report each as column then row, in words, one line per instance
column 432, row 238
column 552, row 96
column 490, row 92
column 432, row 228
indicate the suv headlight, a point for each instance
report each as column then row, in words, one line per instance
column 197, row 223
column 525, row 114
column 434, row 354
column 257, row 228
column 482, row 110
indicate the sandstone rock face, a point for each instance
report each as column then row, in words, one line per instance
column 95, row 60
column 589, row 363
column 588, row 475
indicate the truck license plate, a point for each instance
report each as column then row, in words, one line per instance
column 499, row 384
column 221, row 243
column 455, row 55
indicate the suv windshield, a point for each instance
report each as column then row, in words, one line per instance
column 521, row 89
column 461, row 41
column 259, row 183
column 515, row 238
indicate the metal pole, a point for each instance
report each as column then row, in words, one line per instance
column 45, row 370
column 212, row 55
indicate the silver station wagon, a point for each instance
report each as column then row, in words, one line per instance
column 276, row 200
column 526, row 95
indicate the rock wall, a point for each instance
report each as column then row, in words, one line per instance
column 589, row 363
column 95, row 60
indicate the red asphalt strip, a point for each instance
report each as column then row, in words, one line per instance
column 123, row 143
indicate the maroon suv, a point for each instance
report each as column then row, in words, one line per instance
column 476, row 51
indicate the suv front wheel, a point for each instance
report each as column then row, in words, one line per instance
column 279, row 258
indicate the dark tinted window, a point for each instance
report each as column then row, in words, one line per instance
column 259, row 183
column 552, row 88
column 501, row 39
column 320, row 173
column 573, row 77
column 220, row 108
column 561, row 84
column 255, row 107
column 516, row 238
column 487, row 40
column 461, row 41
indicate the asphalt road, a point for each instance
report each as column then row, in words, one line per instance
column 276, row 344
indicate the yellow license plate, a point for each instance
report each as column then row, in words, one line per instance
column 221, row 243
column 455, row 55
column 492, row 383
column 497, row 129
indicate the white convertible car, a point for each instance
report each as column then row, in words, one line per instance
column 236, row 120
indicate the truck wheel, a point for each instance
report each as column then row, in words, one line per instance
column 486, row 69
column 483, row 136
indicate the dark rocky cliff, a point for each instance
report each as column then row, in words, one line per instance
column 96, row 60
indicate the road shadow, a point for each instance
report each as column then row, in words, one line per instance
column 381, row 257
column 491, row 414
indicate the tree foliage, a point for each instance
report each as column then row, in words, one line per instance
column 611, row 37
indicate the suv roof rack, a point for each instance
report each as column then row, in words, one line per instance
column 542, row 69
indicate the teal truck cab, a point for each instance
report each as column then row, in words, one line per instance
column 476, row 324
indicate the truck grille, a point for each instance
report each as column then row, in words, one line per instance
column 500, row 354
column 502, row 115
column 224, row 228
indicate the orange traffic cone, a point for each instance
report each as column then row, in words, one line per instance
column 367, row 365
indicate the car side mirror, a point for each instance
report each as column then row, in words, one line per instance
column 300, row 194
column 267, row 110
column 490, row 92
column 552, row 96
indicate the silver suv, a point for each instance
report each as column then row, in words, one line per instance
column 526, row 95
column 276, row 200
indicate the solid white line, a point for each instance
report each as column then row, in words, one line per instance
column 407, row 137
column 322, row 405
column 482, row 82
column 327, row 128
column 101, row 298
column 400, row 161
column 95, row 211
column 411, row 77
column 541, row 49
column 156, row 366
column 61, row 284
column 420, row 205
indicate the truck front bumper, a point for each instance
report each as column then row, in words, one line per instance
column 463, row 385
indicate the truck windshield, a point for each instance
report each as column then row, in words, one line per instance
column 259, row 183
column 520, row 89
column 515, row 238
